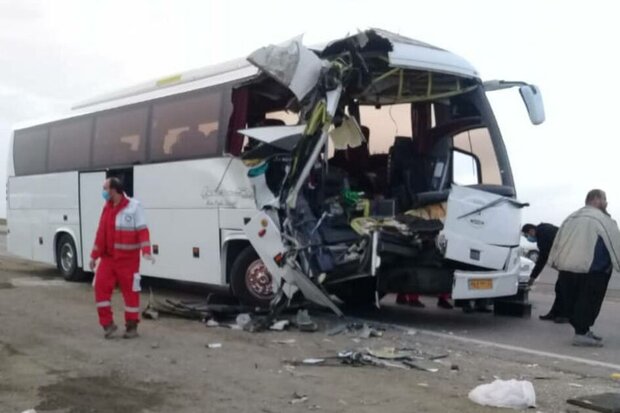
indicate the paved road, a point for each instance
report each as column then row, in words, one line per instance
column 527, row 333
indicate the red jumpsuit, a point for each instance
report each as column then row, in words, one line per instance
column 121, row 236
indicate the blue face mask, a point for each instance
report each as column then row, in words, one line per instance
column 106, row 195
column 531, row 238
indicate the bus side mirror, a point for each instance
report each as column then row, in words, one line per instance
column 533, row 102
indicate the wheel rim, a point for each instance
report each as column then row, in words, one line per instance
column 66, row 258
column 258, row 280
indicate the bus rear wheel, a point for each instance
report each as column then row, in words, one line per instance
column 66, row 259
column 250, row 279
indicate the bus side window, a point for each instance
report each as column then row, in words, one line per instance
column 69, row 145
column 30, row 151
column 120, row 137
column 185, row 128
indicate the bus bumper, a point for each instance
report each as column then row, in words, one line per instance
column 485, row 284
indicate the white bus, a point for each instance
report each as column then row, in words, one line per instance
column 226, row 158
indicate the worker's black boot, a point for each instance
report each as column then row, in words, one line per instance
column 109, row 330
column 131, row 329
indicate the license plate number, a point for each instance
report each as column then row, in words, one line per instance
column 477, row 284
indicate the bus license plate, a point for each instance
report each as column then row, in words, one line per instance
column 477, row 284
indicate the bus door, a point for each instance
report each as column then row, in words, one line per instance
column 91, row 204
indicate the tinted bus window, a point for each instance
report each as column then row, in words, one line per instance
column 120, row 137
column 70, row 145
column 186, row 128
column 30, row 151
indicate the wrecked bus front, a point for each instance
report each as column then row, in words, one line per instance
column 396, row 178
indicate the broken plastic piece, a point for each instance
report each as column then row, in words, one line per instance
column 299, row 398
column 313, row 361
column 214, row 345
column 512, row 394
column 279, row 325
column 347, row 135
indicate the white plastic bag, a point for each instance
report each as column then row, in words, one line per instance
column 513, row 394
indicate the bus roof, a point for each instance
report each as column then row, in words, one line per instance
column 403, row 52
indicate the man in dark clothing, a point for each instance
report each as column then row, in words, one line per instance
column 585, row 251
column 543, row 235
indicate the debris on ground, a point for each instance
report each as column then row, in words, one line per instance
column 422, row 365
column 515, row 394
column 242, row 320
column 304, row 322
column 312, row 361
column 605, row 402
column 280, row 325
column 214, row 345
column 212, row 323
column 364, row 330
column 150, row 314
column 390, row 353
column 287, row 341
column 368, row 332
column 298, row 398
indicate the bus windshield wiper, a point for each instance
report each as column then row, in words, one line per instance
column 494, row 203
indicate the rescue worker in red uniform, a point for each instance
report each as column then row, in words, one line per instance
column 121, row 236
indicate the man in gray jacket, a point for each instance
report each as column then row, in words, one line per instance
column 585, row 251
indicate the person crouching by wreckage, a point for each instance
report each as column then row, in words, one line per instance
column 121, row 236
column 585, row 251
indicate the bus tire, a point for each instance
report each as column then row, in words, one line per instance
column 66, row 259
column 250, row 280
column 358, row 293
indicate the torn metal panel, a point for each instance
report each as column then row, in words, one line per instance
column 332, row 100
column 291, row 64
column 265, row 236
column 283, row 137
column 311, row 291
column 403, row 52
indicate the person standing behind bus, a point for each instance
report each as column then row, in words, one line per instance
column 121, row 236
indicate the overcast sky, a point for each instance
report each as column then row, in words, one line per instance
column 55, row 53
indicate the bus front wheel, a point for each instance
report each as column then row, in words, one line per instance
column 250, row 280
column 66, row 259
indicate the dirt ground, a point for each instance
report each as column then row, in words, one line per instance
column 53, row 359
